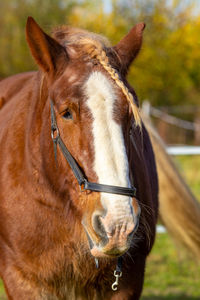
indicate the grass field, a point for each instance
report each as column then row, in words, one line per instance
column 170, row 274
column 189, row 167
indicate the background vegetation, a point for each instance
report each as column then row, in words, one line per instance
column 167, row 72
column 168, row 69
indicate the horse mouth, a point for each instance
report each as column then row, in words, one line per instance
column 110, row 243
column 113, row 253
column 104, row 250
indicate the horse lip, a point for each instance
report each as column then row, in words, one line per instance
column 97, row 252
column 97, row 248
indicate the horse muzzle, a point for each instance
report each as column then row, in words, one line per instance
column 111, row 236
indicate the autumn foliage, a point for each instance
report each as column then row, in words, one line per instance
column 166, row 72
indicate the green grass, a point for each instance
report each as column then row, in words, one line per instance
column 2, row 292
column 170, row 274
column 189, row 167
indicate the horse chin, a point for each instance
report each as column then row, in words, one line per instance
column 114, row 253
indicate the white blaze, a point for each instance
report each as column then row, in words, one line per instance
column 111, row 163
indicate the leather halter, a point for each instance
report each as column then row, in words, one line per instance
column 82, row 180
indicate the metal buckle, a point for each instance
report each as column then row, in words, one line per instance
column 55, row 140
column 53, row 131
column 82, row 185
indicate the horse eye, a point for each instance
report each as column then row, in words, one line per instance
column 67, row 115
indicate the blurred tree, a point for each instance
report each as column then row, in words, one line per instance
column 14, row 53
column 168, row 69
column 166, row 72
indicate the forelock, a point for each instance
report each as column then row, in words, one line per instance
column 67, row 35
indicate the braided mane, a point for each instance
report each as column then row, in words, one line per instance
column 95, row 46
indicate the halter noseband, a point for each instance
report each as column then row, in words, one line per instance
column 82, row 180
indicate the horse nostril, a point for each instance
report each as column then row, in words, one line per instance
column 98, row 225
column 134, row 228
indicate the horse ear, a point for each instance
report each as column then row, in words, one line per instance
column 45, row 50
column 128, row 48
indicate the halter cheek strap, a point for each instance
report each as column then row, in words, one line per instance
column 82, row 180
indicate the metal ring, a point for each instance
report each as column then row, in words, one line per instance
column 53, row 130
column 119, row 273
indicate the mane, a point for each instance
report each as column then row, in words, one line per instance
column 96, row 47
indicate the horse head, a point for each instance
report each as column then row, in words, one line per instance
column 94, row 107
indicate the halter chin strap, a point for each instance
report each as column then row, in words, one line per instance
column 82, row 180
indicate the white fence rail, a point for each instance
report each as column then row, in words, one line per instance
column 161, row 229
column 183, row 150
column 170, row 119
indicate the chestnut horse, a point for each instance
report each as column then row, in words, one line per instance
column 73, row 150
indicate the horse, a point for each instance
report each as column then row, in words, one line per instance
column 78, row 180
